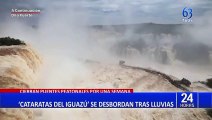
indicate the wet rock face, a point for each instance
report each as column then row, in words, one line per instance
column 209, row 112
column 121, row 62
column 188, row 52
column 209, row 82
column 121, row 48
column 185, row 82
column 161, row 56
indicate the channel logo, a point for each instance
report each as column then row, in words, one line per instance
column 187, row 14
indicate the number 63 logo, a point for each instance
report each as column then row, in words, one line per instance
column 187, row 12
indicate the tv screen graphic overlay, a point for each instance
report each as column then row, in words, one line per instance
column 106, row 100
column 105, row 59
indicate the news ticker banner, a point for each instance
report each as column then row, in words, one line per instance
column 87, row 98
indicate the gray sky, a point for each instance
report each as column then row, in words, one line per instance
column 111, row 11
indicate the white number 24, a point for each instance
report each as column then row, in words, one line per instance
column 187, row 97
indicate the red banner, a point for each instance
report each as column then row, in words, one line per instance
column 66, row 90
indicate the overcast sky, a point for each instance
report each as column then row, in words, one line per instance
column 111, row 11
